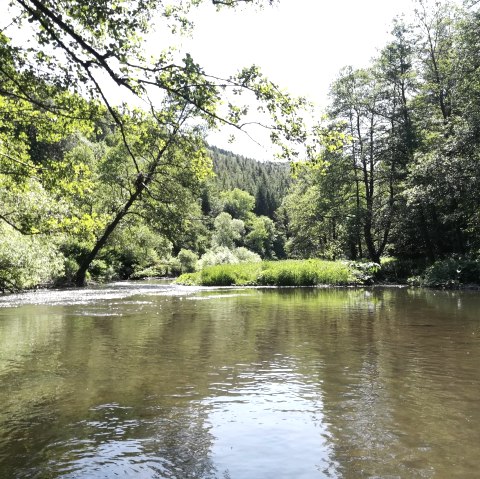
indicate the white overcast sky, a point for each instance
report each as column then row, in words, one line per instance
column 299, row 44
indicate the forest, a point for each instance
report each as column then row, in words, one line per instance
column 95, row 191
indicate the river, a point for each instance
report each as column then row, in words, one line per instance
column 151, row 380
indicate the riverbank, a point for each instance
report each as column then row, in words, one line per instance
column 449, row 273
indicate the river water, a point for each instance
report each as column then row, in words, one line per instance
column 151, row 380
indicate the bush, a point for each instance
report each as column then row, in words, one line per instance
column 189, row 279
column 188, row 260
column 244, row 255
column 70, row 269
column 136, row 248
column 101, row 271
column 452, row 272
column 364, row 272
column 217, row 255
column 27, row 261
column 167, row 267
column 224, row 255
column 400, row 270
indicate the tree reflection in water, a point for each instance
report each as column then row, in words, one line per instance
column 253, row 383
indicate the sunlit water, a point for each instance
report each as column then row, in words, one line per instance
column 149, row 380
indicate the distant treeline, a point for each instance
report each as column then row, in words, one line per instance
column 267, row 181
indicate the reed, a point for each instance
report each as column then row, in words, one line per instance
column 311, row 272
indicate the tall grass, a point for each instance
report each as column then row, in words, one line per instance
column 310, row 272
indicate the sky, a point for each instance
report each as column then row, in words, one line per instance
column 299, row 44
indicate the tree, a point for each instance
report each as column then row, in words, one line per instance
column 261, row 235
column 89, row 48
column 359, row 100
column 237, row 203
column 443, row 184
column 321, row 211
column 373, row 104
column 158, row 157
column 228, row 231
column 235, row 171
column 25, row 261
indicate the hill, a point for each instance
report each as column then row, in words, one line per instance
column 267, row 181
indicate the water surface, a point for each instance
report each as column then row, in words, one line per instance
column 148, row 380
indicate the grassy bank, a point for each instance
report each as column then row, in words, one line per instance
column 310, row 272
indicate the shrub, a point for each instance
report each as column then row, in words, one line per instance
column 452, row 272
column 189, row 279
column 364, row 272
column 70, row 269
column 101, row 271
column 400, row 270
column 136, row 248
column 187, row 260
column 224, row 255
column 166, row 267
column 27, row 261
column 244, row 255
column 217, row 255
column 227, row 231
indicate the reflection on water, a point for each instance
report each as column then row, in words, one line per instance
column 149, row 380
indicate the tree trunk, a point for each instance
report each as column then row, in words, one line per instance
column 80, row 276
column 141, row 183
column 429, row 251
column 373, row 254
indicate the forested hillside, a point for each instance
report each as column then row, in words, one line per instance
column 266, row 181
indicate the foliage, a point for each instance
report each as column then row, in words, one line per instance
column 188, row 260
column 227, row 231
column 261, row 236
column 26, row 261
column 167, row 268
column 305, row 273
column 364, row 272
column 133, row 248
column 400, row 270
column 274, row 273
column 223, row 255
column 101, row 271
column 318, row 213
column 114, row 191
column 228, row 274
column 452, row 272
column 79, row 55
column 217, row 255
column 237, row 203
column 245, row 255
column 406, row 182
column 266, row 180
